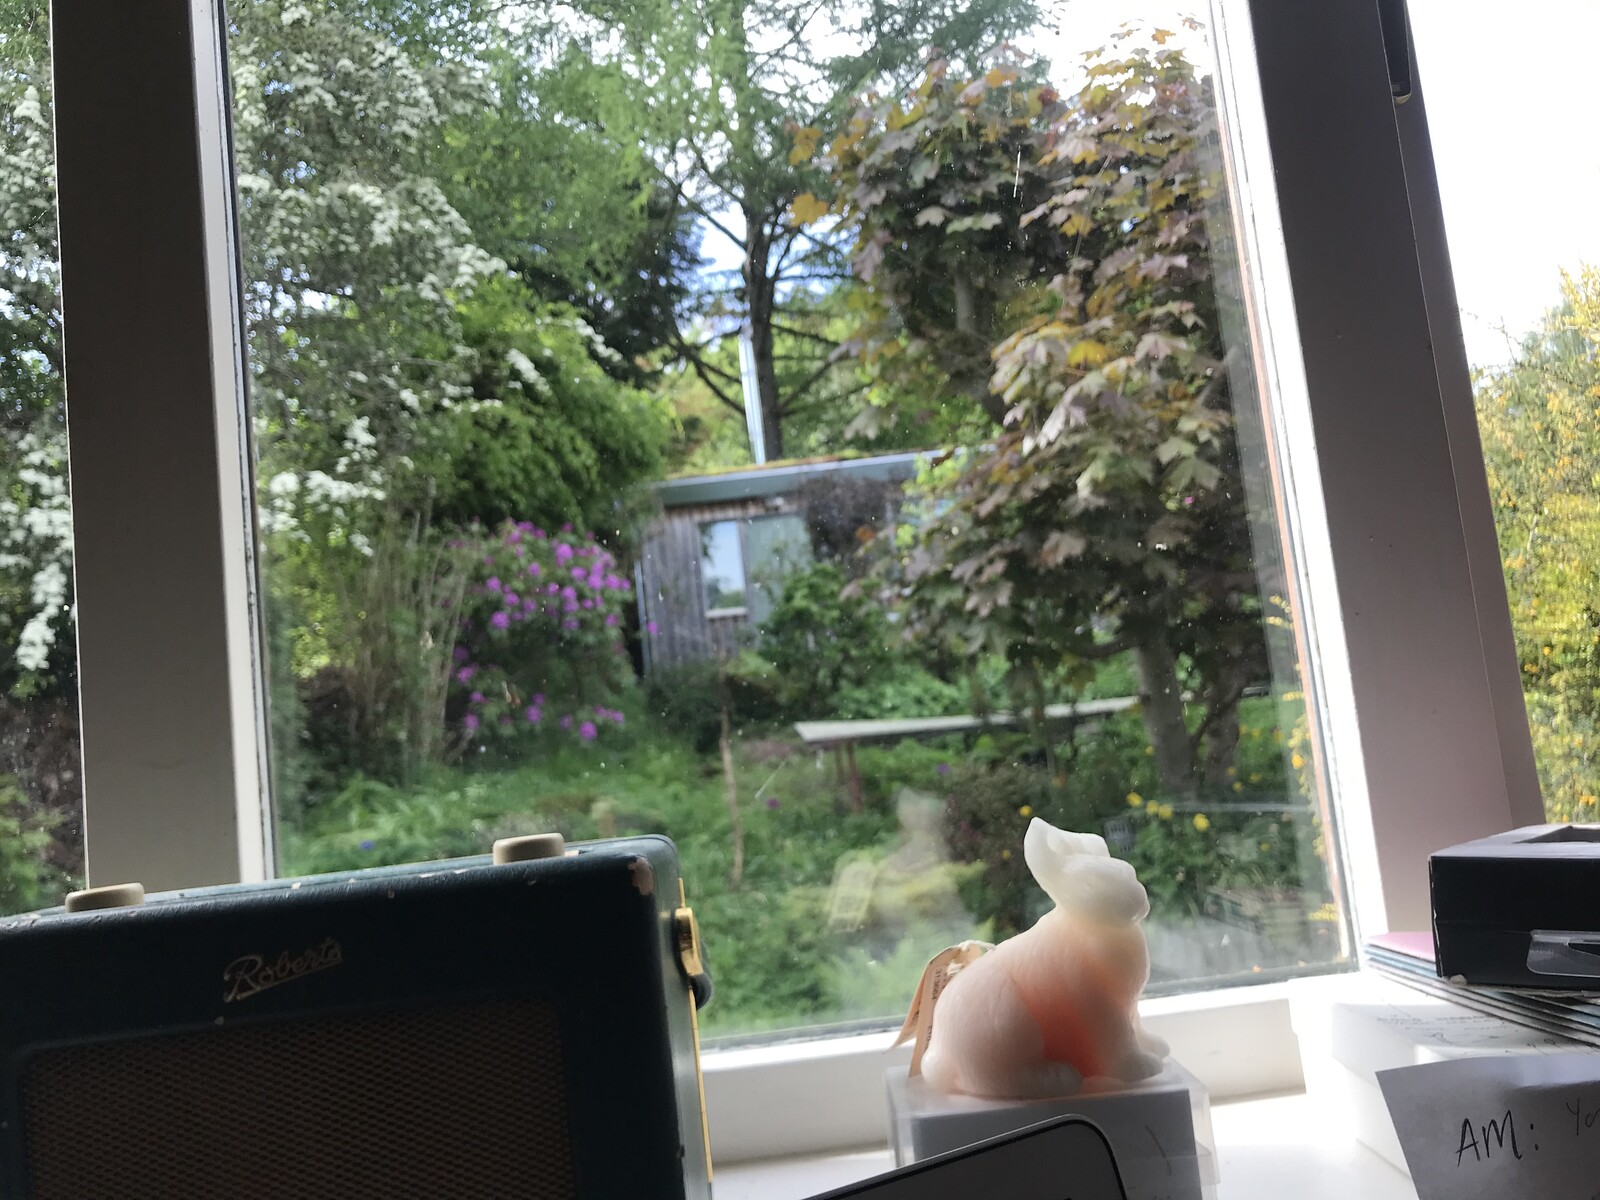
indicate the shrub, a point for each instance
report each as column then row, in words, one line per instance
column 540, row 644
column 822, row 642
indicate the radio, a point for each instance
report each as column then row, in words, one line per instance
column 521, row 1025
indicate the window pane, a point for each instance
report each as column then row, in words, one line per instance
column 772, row 435
column 722, row 564
column 41, row 799
column 1530, row 308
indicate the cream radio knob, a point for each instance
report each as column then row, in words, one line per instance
column 526, row 849
column 113, row 895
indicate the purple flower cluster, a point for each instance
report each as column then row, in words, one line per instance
column 550, row 606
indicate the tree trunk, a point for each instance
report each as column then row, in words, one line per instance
column 1222, row 745
column 759, row 290
column 1161, row 701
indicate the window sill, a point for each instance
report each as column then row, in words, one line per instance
column 825, row 1096
column 1278, row 1146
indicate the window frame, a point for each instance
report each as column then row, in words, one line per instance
column 1392, row 542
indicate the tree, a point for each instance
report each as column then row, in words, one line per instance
column 1104, row 512
column 1540, row 423
column 35, row 517
column 725, row 99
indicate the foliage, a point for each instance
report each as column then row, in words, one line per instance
column 821, row 641
column 35, row 518
column 725, row 102
column 1106, row 514
column 553, row 438
column 541, row 637
column 379, row 612
column 27, row 880
column 1540, row 424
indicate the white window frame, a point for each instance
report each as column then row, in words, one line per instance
column 1374, row 444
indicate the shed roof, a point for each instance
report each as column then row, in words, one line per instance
column 780, row 478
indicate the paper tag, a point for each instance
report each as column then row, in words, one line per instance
column 1504, row 1125
column 936, row 976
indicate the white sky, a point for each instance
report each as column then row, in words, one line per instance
column 1511, row 88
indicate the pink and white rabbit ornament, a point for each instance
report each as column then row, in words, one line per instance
column 1056, row 1005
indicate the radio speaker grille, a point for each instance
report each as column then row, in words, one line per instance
column 465, row 1101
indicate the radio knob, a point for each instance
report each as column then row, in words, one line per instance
column 526, row 849
column 113, row 895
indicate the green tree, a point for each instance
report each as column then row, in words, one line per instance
column 1104, row 512
column 725, row 99
column 1540, row 422
column 35, row 518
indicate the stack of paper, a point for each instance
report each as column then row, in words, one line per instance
column 1408, row 959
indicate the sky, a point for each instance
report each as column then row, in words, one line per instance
column 1511, row 93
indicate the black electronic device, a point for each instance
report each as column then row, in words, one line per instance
column 1520, row 909
column 1064, row 1159
column 480, row 1029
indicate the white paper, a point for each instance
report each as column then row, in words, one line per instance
column 1500, row 1127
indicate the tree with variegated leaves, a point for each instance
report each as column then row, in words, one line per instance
column 1049, row 260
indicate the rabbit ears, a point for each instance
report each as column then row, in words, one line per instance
column 1078, row 873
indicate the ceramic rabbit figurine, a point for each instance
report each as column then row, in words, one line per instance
column 1058, row 1004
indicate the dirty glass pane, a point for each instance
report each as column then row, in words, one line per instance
column 827, row 437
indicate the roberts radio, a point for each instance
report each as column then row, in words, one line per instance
column 503, row 1028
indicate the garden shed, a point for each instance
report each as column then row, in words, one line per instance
column 714, row 559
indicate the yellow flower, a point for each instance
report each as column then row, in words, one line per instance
column 1588, row 800
column 1296, row 761
column 1202, row 822
column 1266, row 846
column 1005, row 854
column 1164, row 812
column 1238, row 787
column 1135, row 800
column 1149, row 749
column 1025, row 811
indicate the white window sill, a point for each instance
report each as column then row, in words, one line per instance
column 824, row 1096
column 1280, row 1146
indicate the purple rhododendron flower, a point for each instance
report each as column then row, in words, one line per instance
column 552, row 589
column 773, row 802
column 566, row 722
column 570, row 592
column 567, row 528
column 477, row 697
column 533, row 714
column 651, row 627
column 465, row 674
column 587, row 731
column 500, row 620
column 533, row 569
column 563, row 552
column 494, row 583
column 459, row 654
column 470, row 722
column 570, row 623
column 612, row 619
column 512, row 599
column 538, row 698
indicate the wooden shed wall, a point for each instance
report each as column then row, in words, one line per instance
column 672, row 594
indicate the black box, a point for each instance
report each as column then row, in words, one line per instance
column 1520, row 909
column 483, row 1028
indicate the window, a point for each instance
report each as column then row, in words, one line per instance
column 722, row 567
column 353, row 331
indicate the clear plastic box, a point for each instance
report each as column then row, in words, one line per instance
column 1159, row 1129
